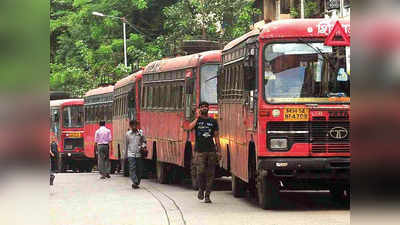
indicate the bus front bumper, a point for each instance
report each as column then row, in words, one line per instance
column 73, row 155
column 331, row 168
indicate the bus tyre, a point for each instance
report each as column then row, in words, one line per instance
column 125, row 167
column 238, row 187
column 113, row 167
column 176, row 175
column 340, row 193
column 162, row 177
column 193, row 175
column 268, row 192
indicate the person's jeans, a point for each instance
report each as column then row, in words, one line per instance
column 135, row 169
column 104, row 163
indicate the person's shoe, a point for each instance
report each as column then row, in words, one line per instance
column 135, row 186
column 207, row 198
column 200, row 195
column 108, row 176
column 102, row 177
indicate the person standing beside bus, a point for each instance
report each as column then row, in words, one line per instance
column 102, row 139
column 135, row 147
column 208, row 152
column 53, row 159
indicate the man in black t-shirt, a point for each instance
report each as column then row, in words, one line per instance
column 208, row 153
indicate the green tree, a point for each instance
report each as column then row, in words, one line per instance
column 221, row 20
column 87, row 50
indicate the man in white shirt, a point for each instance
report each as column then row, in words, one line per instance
column 135, row 145
column 102, row 140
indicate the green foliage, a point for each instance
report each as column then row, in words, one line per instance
column 87, row 50
column 311, row 10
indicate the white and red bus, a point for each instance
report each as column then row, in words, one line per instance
column 284, row 102
column 171, row 90
column 98, row 105
column 67, row 122
column 126, row 107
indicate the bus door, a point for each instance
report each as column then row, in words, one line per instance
column 132, row 113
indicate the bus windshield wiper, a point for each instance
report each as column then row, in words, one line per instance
column 211, row 78
column 319, row 53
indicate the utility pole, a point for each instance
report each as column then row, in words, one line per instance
column 302, row 9
column 124, row 28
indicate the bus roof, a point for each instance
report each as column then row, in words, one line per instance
column 55, row 103
column 129, row 79
column 183, row 62
column 100, row 90
column 292, row 28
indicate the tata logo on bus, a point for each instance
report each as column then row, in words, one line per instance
column 338, row 133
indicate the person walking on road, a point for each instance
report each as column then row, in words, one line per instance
column 102, row 139
column 53, row 159
column 207, row 152
column 136, row 149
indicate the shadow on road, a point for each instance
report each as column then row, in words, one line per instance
column 289, row 200
column 303, row 201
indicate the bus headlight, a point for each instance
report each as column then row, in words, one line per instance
column 278, row 143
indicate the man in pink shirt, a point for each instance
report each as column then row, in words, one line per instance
column 102, row 139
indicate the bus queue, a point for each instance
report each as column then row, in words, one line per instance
column 280, row 95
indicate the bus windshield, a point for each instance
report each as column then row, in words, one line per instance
column 73, row 117
column 306, row 73
column 208, row 83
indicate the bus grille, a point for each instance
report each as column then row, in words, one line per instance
column 72, row 143
column 318, row 133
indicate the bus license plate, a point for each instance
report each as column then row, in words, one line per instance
column 296, row 114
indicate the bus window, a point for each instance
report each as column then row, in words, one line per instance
column 73, row 116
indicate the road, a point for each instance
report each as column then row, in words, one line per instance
column 83, row 198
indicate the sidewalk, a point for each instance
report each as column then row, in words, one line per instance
column 86, row 199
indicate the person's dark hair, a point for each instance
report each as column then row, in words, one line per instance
column 102, row 123
column 133, row 122
column 203, row 104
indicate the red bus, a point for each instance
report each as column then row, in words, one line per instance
column 284, row 102
column 126, row 107
column 171, row 90
column 98, row 105
column 67, row 121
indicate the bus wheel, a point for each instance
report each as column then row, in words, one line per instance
column 89, row 168
column 193, row 174
column 175, row 175
column 162, row 177
column 125, row 167
column 340, row 193
column 268, row 192
column 113, row 167
column 238, row 187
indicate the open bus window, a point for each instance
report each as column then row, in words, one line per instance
column 208, row 83
column 73, row 116
column 55, row 119
column 300, row 72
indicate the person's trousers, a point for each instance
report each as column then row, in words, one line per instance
column 206, row 162
column 135, row 169
column 52, row 176
column 103, row 160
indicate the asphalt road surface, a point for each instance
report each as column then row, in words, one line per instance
column 83, row 198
